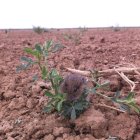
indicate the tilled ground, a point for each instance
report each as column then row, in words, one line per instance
column 21, row 104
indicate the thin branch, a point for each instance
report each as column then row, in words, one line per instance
column 130, row 65
column 125, row 78
column 110, row 107
column 136, row 71
column 105, row 72
column 84, row 73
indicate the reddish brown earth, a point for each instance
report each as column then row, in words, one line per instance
column 21, row 103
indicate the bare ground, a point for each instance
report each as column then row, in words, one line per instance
column 21, row 104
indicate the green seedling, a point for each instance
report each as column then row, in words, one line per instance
column 73, row 109
column 83, row 29
column 56, row 97
column 57, row 101
column 39, row 30
column 125, row 104
column 76, row 38
column 41, row 53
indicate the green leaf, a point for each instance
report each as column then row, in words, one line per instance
column 57, row 47
column 46, row 53
column 48, row 109
column 48, row 44
column 20, row 68
column 124, row 107
column 135, row 107
column 26, row 59
column 105, row 85
column 23, row 67
column 38, row 48
column 73, row 114
column 59, row 96
column 53, row 73
column 59, row 105
column 35, row 77
column 78, row 106
column 49, row 94
column 117, row 94
column 44, row 72
column 57, row 80
column 130, row 96
column 31, row 51
column 93, row 90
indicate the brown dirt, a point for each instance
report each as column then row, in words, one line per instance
column 21, row 101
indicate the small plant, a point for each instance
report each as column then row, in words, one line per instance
column 56, row 97
column 6, row 31
column 58, row 100
column 116, row 28
column 73, row 109
column 39, row 30
column 41, row 52
column 76, row 38
column 83, row 29
column 125, row 104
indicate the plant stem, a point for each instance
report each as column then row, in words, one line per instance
column 109, row 98
column 110, row 107
column 39, row 66
column 53, row 85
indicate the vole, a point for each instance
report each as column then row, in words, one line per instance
column 73, row 85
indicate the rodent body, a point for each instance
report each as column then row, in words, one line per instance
column 73, row 85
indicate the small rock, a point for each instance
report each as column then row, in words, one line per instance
column 1, row 95
column 49, row 137
column 11, row 86
column 31, row 103
column 21, row 102
column 9, row 94
column 5, row 127
column 59, row 138
column 77, row 138
column 76, row 62
column 36, row 89
column 115, row 83
column 90, row 137
column 82, row 67
column 99, row 50
column 92, row 38
column 92, row 121
column 65, row 136
column 73, row 138
column 57, row 131
column 102, row 40
column 44, row 85
column 37, row 135
column 10, row 138
column 137, row 99
column 17, row 103
column 137, row 136
column 105, row 62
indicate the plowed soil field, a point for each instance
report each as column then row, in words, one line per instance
column 21, row 103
